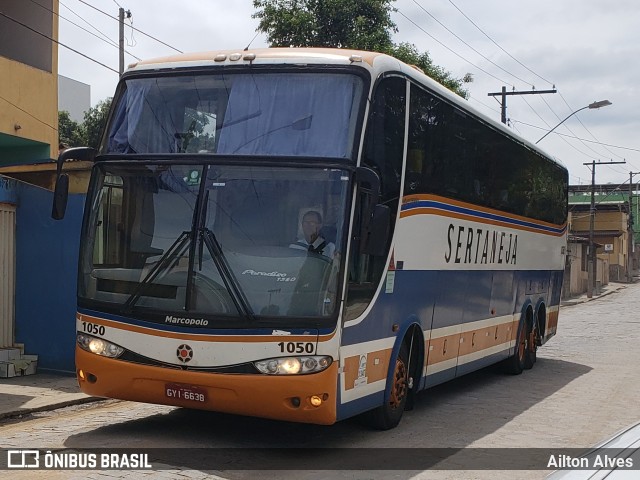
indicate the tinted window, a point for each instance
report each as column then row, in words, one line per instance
column 456, row 155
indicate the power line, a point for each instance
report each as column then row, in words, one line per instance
column 497, row 45
column 132, row 27
column 104, row 35
column 30, row 114
column 578, row 138
column 484, row 104
column 471, row 47
column 566, row 126
column 585, row 127
column 562, row 138
column 107, row 40
column 451, row 50
column 57, row 42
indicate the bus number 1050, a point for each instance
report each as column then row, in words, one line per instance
column 296, row 347
column 92, row 328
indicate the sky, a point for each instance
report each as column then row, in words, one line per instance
column 588, row 50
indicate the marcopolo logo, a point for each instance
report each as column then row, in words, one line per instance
column 186, row 321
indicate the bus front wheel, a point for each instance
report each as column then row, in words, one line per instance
column 388, row 415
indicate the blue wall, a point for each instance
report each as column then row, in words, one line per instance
column 46, row 277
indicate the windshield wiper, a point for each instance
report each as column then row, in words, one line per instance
column 168, row 260
column 226, row 273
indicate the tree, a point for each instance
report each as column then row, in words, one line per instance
column 408, row 53
column 95, row 120
column 363, row 25
column 356, row 24
column 70, row 133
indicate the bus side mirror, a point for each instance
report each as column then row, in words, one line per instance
column 61, row 190
column 60, row 196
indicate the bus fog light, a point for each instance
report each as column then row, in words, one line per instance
column 315, row 400
column 98, row 346
column 293, row 365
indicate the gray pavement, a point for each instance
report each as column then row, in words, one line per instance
column 35, row 393
column 47, row 391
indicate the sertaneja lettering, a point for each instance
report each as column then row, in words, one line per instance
column 481, row 246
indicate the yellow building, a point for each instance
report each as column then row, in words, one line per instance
column 610, row 233
column 28, row 137
column 28, row 81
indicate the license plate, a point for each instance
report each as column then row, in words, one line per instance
column 189, row 393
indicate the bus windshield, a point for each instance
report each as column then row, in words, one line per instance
column 258, row 113
column 251, row 242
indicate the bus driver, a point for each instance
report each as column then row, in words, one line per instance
column 312, row 240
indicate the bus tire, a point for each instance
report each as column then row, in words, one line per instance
column 388, row 415
column 515, row 364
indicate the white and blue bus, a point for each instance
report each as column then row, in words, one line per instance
column 308, row 235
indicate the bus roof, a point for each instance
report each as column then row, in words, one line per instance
column 374, row 62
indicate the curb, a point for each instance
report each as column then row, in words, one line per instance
column 45, row 408
column 572, row 302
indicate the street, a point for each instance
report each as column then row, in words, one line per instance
column 583, row 388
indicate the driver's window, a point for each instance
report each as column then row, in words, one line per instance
column 384, row 150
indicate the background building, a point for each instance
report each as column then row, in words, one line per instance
column 616, row 234
column 73, row 97
column 38, row 256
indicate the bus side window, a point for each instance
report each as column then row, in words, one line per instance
column 383, row 153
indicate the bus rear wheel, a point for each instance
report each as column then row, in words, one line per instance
column 388, row 415
column 517, row 362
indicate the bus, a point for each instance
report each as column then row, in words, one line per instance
column 308, row 235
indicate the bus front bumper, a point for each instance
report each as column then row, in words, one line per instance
column 291, row 398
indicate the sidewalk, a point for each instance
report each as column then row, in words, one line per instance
column 42, row 391
column 608, row 289
column 47, row 391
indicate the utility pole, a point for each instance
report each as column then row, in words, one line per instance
column 592, row 262
column 121, row 13
column 503, row 104
column 631, row 234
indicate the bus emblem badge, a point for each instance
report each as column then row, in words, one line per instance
column 185, row 353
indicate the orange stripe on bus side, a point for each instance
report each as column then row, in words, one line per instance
column 376, row 369
column 199, row 337
column 483, row 338
column 444, row 348
column 417, row 197
column 462, row 216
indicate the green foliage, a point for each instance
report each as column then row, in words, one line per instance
column 408, row 53
column 95, row 120
column 70, row 133
column 356, row 24
column 87, row 133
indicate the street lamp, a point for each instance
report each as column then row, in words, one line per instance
column 601, row 103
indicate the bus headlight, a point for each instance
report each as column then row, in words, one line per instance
column 293, row 365
column 98, row 346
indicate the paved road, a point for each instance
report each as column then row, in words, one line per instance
column 584, row 387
